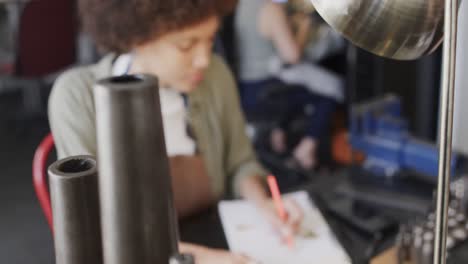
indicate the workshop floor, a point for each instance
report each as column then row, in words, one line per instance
column 24, row 235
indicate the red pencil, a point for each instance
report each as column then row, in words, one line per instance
column 276, row 195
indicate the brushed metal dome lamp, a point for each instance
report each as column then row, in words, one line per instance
column 406, row 30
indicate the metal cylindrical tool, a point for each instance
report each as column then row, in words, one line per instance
column 427, row 253
column 461, row 218
column 182, row 259
column 75, row 207
column 450, row 242
column 416, row 250
column 452, row 223
column 428, row 237
column 138, row 216
column 403, row 242
column 427, row 249
column 459, row 234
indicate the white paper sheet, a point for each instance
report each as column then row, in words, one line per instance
column 247, row 232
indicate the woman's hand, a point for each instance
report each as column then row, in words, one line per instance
column 212, row 256
column 204, row 255
column 286, row 227
column 252, row 189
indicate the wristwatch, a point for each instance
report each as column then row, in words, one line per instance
column 182, row 259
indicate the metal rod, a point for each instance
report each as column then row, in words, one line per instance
column 445, row 132
column 138, row 216
column 75, row 206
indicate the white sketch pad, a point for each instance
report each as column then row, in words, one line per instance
column 249, row 233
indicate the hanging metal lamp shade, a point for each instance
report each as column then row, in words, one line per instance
column 397, row 29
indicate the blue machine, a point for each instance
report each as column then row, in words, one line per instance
column 378, row 130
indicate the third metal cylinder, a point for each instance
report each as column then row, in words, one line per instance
column 137, row 212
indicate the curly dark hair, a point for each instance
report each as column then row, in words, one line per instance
column 119, row 25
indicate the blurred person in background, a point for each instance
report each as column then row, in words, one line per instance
column 271, row 42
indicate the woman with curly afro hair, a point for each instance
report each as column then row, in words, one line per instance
column 209, row 152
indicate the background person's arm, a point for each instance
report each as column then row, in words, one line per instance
column 275, row 25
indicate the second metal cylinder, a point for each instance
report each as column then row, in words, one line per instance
column 75, row 207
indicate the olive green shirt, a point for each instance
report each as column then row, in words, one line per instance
column 213, row 109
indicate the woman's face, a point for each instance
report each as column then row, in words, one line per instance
column 179, row 59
